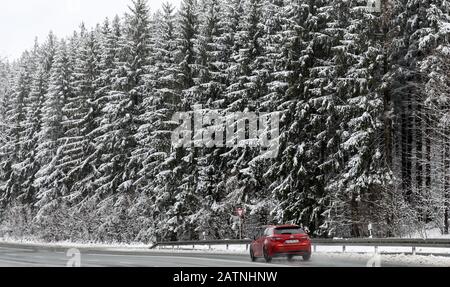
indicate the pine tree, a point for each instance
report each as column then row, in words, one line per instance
column 39, row 87
column 183, row 160
column 7, row 76
column 17, row 118
column 124, row 111
column 78, row 111
column 50, row 179
column 308, row 129
column 154, row 137
column 429, row 45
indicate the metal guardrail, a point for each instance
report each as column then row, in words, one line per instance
column 202, row 242
column 438, row 243
column 388, row 242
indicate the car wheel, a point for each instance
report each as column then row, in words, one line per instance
column 266, row 256
column 252, row 255
column 307, row 257
column 290, row 257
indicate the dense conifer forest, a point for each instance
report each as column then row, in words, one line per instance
column 86, row 122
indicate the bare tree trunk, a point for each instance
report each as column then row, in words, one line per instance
column 407, row 139
column 446, row 180
column 387, row 101
column 410, row 139
column 428, row 134
column 419, row 160
column 355, row 217
column 387, row 118
column 419, row 147
column 428, row 152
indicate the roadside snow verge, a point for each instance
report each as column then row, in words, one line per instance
column 332, row 252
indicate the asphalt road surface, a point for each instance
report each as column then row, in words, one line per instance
column 33, row 256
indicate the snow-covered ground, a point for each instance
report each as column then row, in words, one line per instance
column 332, row 252
column 365, row 253
column 320, row 249
column 69, row 244
column 432, row 233
column 394, row 259
column 223, row 248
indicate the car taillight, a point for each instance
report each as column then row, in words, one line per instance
column 276, row 239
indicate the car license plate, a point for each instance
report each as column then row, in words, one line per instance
column 291, row 241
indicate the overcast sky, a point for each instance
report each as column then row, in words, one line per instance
column 23, row 20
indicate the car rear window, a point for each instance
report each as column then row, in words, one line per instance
column 289, row 231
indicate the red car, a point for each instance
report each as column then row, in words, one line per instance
column 285, row 240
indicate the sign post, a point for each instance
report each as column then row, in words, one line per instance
column 240, row 212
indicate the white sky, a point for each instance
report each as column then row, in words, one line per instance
column 23, row 20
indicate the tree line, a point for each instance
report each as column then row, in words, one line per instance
column 86, row 122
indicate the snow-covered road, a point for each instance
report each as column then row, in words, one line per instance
column 14, row 255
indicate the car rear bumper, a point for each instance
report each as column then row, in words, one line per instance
column 284, row 250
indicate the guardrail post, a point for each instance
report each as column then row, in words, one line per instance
column 193, row 246
column 414, row 250
column 344, row 248
column 246, row 247
column 228, row 246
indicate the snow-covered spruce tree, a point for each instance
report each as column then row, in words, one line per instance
column 289, row 67
column 182, row 160
column 76, row 148
column 17, row 120
column 214, row 169
column 233, row 12
column 51, row 190
column 19, row 191
column 435, row 199
column 123, row 118
column 247, row 58
column 240, row 174
column 430, row 45
column 152, row 121
column 419, row 30
column 362, row 175
column 406, row 97
column 25, row 170
column 156, row 180
column 266, row 87
column 6, row 82
column 99, row 184
column 111, row 56
column 43, row 57
column 308, row 131
column 213, row 52
column 280, row 32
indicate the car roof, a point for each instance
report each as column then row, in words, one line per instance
column 283, row 226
